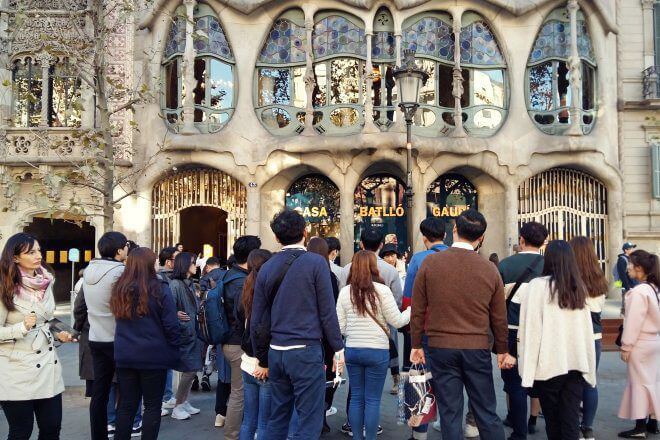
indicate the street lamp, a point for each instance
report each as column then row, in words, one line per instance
column 409, row 79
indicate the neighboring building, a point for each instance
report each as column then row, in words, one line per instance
column 544, row 110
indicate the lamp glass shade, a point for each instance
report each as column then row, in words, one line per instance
column 409, row 86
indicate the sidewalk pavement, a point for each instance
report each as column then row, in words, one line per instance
column 75, row 424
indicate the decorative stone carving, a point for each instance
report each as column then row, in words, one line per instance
column 56, row 32
column 49, row 5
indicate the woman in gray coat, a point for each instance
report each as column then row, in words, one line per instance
column 187, row 305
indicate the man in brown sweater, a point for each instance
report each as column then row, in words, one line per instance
column 457, row 297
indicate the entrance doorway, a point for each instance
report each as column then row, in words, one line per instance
column 379, row 204
column 56, row 237
column 447, row 197
column 204, row 226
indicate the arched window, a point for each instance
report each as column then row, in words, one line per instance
column 484, row 99
column 549, row 93
column 431, row 37
column 281, row 96
column 61, row 86
column 340, row 49
column 383, row 56
column 316, row 197
column 214, row 94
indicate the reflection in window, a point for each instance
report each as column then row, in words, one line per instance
column 345, row 81
column 65, row 106
column 549, row 90
column 27, row 94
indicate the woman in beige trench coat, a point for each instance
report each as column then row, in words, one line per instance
column 32, row 382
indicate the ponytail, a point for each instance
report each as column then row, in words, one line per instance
column 649, row 263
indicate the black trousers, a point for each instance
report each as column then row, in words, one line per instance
column 103, row 358
column 222, row 393
column 560, row 401
column 454, row 369
column 21, row 413
column 148, row 385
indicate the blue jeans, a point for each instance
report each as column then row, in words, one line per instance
column 590, row 396
column 367, row 369
column 168, row 386
column 112, row 408
column 517, row 394
column 454, row 369
column 296, row 377
column 256, row 407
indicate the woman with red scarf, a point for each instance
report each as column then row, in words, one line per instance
column 32, row 382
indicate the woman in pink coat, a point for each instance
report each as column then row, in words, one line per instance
column 640, row 346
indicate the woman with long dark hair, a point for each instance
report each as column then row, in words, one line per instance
column 597, row 287
column 555, row 341
column 640, row 346
column 187, row 305
column 256, row 389
column 364, row 308
column 32, row 383
column 147, row 339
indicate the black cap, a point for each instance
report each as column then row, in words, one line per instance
column 389, row 248
column 628, row 245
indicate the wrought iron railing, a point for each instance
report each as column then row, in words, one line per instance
column 651, row 82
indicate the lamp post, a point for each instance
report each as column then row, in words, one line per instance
column 409, row 80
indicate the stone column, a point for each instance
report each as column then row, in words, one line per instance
column 457, row 82
column 511, row 215
column 419, row 210
column 44, row 59
column 575, row 75
column 189, row 69
column 310, row 82
column 399, row 124
column 369, row 126
column 647, row 35
column 346, row 225
column 253, row 207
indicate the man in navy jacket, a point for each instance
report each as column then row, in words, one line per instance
column 302, row 314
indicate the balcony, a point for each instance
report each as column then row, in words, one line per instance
column 39, row 146
column 651, row 83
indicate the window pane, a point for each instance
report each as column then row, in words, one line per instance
column 540, row 86
column 199, row 92
column 274, row 86
column 588, row 86
column 172, row 84
column 488, row 87
column 563, row 85
column 27, row 94
column 65, row 96
column 445, row 78
column 299, row 92
column 319, row 96
column 345, row 81
column 222, row 85
column 427, row 92
column 656, row 15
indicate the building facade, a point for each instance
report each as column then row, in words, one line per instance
column 535, row 109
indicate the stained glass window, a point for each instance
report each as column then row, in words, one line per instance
column 285, row 44
column 478, row 45
column 430, row 36
column 554, row 40
column 210, row 38
column 383, row 46
column 337, row 35
column 176, row 38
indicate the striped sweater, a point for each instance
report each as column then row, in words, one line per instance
column 362, row 331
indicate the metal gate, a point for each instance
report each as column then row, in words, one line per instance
column 569, row 203
column 196, row 187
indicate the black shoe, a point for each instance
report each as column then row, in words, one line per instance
column 206, row 384
column 195, row 384
column 652, row 426
column 638, row 432
column 587, row 433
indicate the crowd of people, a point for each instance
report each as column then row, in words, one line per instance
column 295, row 320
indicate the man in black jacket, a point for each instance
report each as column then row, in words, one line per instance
column 622, row 261
column 232, row 349
column 212, row 276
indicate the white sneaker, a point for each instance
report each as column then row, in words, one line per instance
column 180, row 413
column 331, row 412
column 436, row 425
column 470, row 431
column 169, row 404
column 164, row 412
column 219, row 421
column 190, row 409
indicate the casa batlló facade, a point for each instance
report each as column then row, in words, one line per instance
column 534, row 110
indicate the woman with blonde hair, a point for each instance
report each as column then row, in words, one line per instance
column 365, row 307
column 640, row 346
